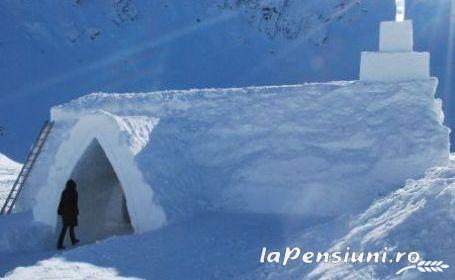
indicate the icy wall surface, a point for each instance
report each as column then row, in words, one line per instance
column 318, row 149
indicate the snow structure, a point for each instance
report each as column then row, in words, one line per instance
column 318, row 149
column 395, row 60
column 144, row 160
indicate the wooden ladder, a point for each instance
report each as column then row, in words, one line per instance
column 26, row 168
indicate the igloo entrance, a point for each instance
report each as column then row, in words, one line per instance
column 102, row 205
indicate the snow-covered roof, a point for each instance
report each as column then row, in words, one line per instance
column 173, row 101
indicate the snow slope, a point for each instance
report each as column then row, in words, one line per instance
column 54, row 51
column 9, row 170
column 418, row 217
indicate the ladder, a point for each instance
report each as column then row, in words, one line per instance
column 26, row 168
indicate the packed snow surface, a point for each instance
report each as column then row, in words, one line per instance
column 9, row 170
column 212, row 246
column 417, row 217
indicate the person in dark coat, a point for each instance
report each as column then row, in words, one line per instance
column 69, row 211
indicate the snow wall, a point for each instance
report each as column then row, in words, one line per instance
column 315, row 149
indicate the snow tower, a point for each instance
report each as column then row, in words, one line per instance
column 396, row 60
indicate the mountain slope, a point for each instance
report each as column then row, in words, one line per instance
column 9, row 170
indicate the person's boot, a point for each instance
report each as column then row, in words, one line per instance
column 60, row 247
column 75, row 241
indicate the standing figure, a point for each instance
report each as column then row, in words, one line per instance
column 69, row 211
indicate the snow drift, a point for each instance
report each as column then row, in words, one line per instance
column 318, row 149
column 419, row 217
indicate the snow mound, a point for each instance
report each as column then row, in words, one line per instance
column 315, row 149
column 9, row 170
column 419, row 217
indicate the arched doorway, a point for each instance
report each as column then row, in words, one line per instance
column 107, row 136
column 102, row 205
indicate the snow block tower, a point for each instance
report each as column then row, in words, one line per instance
column 396, row 60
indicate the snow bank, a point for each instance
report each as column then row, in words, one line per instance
column 9, row 170
column 419, row 217
column 317, row 149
